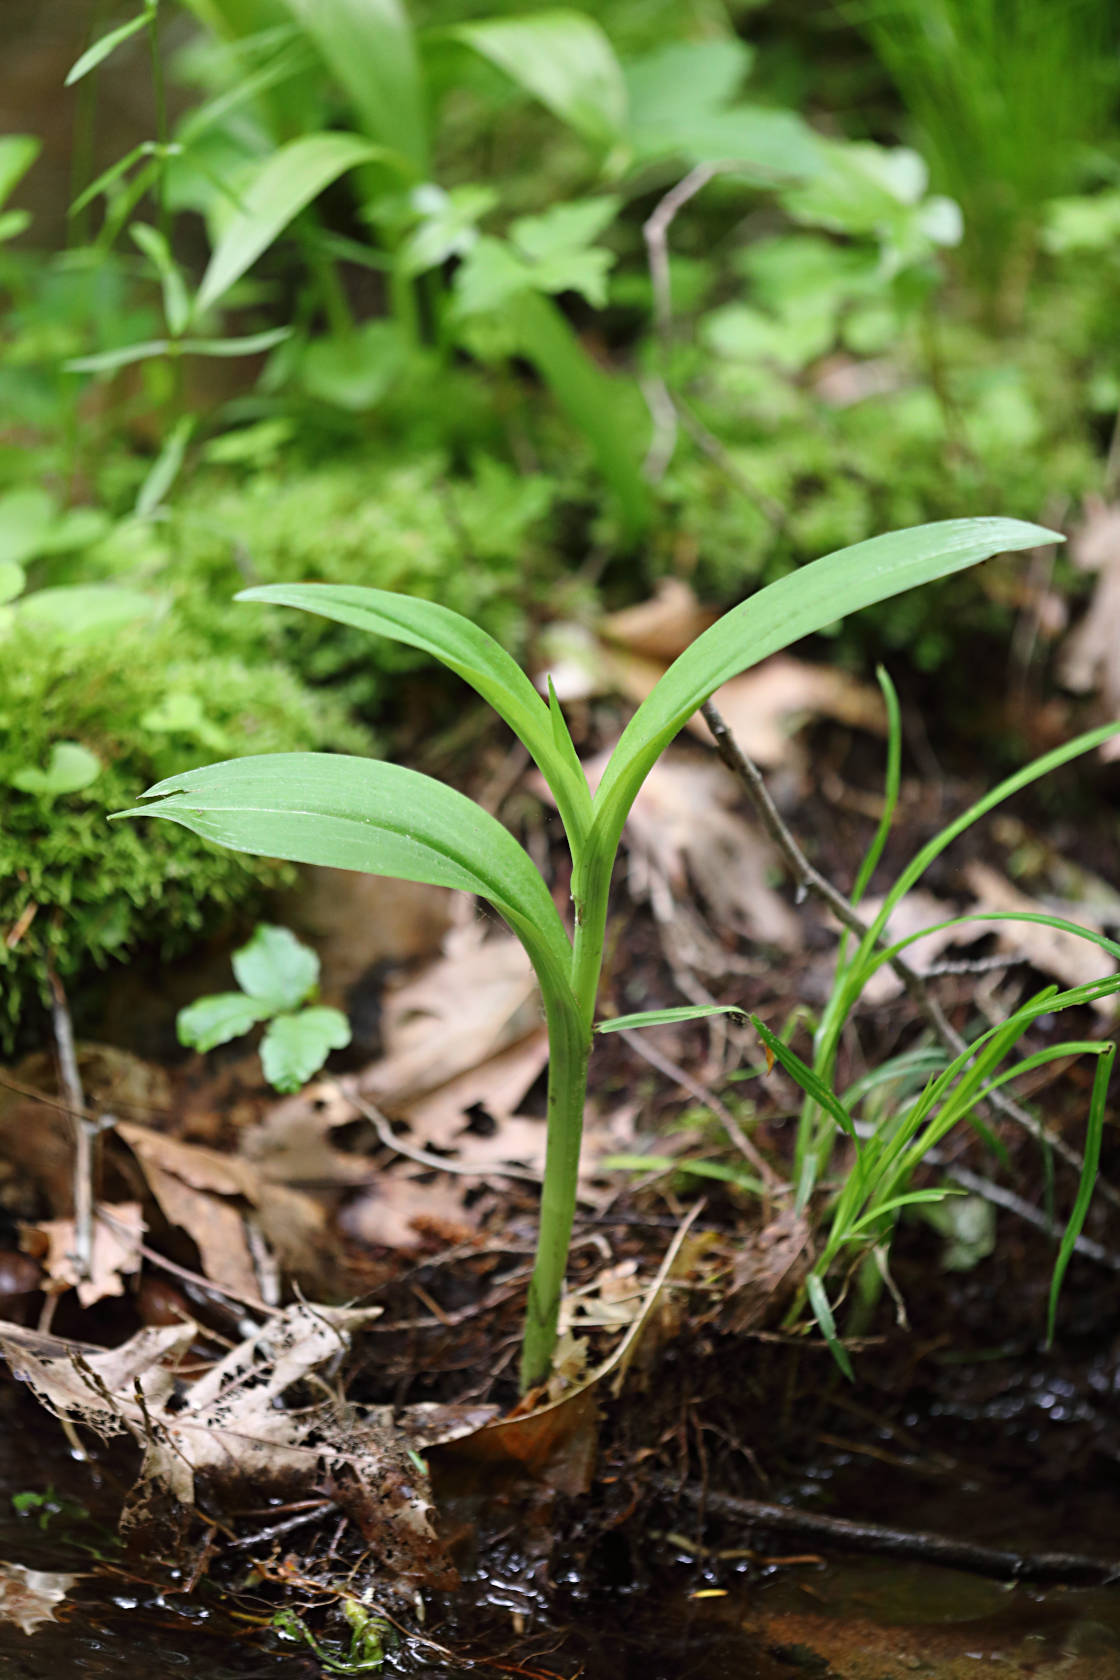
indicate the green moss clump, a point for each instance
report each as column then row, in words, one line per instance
column 477, row 543
column 78, row 889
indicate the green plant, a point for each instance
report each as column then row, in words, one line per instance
column 931, row 1094
column 279, row 978
column 383, row 818
column 1009, row 96
column 86, row 720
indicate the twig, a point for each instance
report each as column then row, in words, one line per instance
column 85, row 1130
column 702, row 1094
column 811, row 879
column 667, row 411
column 990, row 1561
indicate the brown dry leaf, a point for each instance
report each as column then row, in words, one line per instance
column 118, row 1231
column 497, row 1085
column 290, row 1145
column 918, row 909
column 478, row 999
column 765, row 707
column 681, row 830
column 232, row 1432
column 662, row 627
column 767, row 1270
column 1064, row 956
column 398, row 1211
column 1090, row 658
column 355, row 921
column 195, row 1188
column 28, row 1596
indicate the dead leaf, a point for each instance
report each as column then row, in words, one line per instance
column 1066, row 957
column 232, row 1431
column 477, row 1000
column 397, row 1211
column 118, row 1231
column 767, row 1270
column 290, row 1145
column 683, row 835
column 918, row 909
column 28, row 1596
column 765, row 707
column 355, row 921
column 660, row 628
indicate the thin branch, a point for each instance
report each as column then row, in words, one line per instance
column 667, row 411
column 882, row 1540
column 85, row 1130
column 435, row 1163
column 811, row 879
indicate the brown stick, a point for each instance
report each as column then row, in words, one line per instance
column 85, row 1132
column 991, row 1561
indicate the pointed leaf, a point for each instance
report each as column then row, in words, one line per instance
column 216, row 1020
column 100, row 50
column 465, row 649
column 563, row 59
column 806, row 601
column 17, row 153
column 370, row 48
column 661, row 1017
column 295, row 1046
column 359, row 813
column 822, row 1312
column 285, row 183
column 276, row 966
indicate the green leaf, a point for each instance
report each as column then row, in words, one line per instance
column 465, row 649
column 176, row 304
column 358, row 813
column 166, row 467
column 181, row 713
column 818, row 1300
column 661, row 1017
column 74, row 611
column 215, row 1020
column 26, row 517
column 253, row 344
column 370, row 48
column 295, row 1047
column 779, row 615
column 563, row 59
column 592, row 401
column 1094, row 1133
column 276, row 967
column 12, row 579
column 684, row 81
column 564, row 227
column 100, row 50
column 698, row 1169
column 280, row 187
column 17, row 153
column 72, row 767
column 354, row 372
column 108, row 361
column 448, row 225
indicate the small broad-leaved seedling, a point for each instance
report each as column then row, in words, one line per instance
column 356, row 813
column 279, row 978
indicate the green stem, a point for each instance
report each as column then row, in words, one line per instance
column 570, row 1015
column 159, row 93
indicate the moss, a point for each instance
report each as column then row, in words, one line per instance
column 476, row 542
column 79, row 890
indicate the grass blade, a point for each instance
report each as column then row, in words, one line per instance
column 1106, row 1055
column 563, row 59
column 100, row 50
column 662, row 1017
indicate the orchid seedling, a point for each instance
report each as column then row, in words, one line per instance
column 384, row 819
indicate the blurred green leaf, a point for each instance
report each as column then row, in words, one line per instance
column 215, row 1020
column 295, row 1047
column 563, row 59
column 72, row 767
column 108, row 43
column 276, row 967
